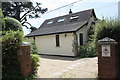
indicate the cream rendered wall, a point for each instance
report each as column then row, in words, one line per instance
column 84, row 30
column 47, row 44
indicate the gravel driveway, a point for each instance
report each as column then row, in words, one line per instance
column 67, row 67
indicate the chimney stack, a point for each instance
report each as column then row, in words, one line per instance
column 70, row 11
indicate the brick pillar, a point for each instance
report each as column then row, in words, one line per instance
column 24, row 58
column 107, row 59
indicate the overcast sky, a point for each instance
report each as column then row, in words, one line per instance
column 103, row 8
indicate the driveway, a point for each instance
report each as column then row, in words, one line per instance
column 67, row 67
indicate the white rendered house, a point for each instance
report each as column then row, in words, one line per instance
column 63, row 34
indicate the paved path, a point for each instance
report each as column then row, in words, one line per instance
column 67, row 67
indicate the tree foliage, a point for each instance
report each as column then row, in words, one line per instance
column 11, row 69
column 22, row 11
column 2, row 22
column 12, row 24
column 106, row 28
column 11, row 40
column 35, row 64
column 86, row 51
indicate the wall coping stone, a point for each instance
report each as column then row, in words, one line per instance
column 25, row 44
column 106, row 41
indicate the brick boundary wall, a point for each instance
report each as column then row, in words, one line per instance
column 25, row 59
column 107, row 65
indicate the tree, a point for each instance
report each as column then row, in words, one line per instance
column 12, row 24
column 22, row 11
column 106, row 28
column 2, row 22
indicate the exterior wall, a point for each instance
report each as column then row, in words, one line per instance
column 84, row 30
column 75, row 44
column 25, row 60
column 47, row 44
column 107, row 65
column 68, row 45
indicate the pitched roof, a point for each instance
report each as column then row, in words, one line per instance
column 62, row 24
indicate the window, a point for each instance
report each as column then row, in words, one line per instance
column 49, row 22
column 61, row 20
column 74, row 18
column 57, row 41
column 81, row 39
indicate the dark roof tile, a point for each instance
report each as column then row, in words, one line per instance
column 64, row 26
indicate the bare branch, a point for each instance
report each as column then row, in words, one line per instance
column 28, row 12
column 25, row 26
column 24, row 15
column 26, row 23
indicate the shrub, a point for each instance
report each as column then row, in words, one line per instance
column 12, row 24
column 2, row 22
column 35, row 64
column 106, row 28
column 34, row 49
column 12, row 37
column 87, row 51
column 10, row 65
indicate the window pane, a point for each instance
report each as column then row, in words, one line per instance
column 49, row 22
column 61, row 20
column 57, row 40
column 74, row 18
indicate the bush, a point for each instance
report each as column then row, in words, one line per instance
column 106, row 28
column 34, row 49
column 2, row 22
column 35, row 64
column 87, row 51
column 11, row 66
column 11, row 69
column 12, row 37
column 12, row 24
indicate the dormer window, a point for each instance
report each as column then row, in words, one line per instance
column 49, row 22
column 61, row 20
column 74, row 18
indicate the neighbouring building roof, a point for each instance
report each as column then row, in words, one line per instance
column 63, row 24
